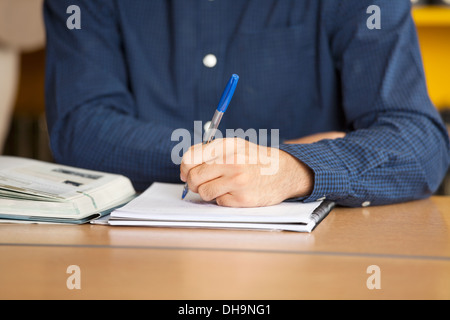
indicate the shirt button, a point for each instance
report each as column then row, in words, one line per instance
column 366, row 204
column 210, row 61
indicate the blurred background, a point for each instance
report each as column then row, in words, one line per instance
column 22, row 67
column 23, row 130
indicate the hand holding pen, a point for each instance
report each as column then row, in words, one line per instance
column 221, row 108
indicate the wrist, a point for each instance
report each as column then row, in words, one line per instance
column 298, row 177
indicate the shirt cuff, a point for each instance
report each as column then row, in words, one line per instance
column 331, row 178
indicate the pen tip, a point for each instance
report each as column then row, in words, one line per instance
column 185, row 191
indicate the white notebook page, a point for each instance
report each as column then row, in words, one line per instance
column 163, row 202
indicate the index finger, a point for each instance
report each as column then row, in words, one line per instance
column 199, row 154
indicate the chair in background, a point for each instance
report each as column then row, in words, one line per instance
column 21, row 30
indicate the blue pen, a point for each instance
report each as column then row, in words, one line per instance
column 221, row 108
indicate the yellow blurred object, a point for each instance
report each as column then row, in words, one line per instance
column 432, row 16
column 433, row 26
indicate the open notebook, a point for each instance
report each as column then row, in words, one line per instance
column 161, row 206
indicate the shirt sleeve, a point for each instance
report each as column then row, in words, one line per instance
column 397, row 147
column 92, row 116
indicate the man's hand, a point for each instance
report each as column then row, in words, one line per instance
column 238, row 173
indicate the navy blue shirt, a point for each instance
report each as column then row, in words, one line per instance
column 117, row 88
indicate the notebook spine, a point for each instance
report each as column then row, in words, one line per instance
column 322, row 211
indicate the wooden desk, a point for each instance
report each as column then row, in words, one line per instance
column 410, row 243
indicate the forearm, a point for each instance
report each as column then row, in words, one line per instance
column 400, row 157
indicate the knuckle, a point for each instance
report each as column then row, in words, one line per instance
column 205, row 193
column 195, row 175
column 221, row 201
column 226, row 200
column 241, row 180
column 184, row 170
column 245, row 200
column 194, row 179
